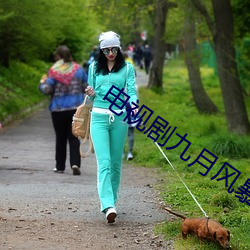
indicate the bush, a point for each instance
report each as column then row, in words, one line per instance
column 224, row 200
column 230, row 146
column 19, row 88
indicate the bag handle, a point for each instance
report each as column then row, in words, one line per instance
column 91, row 148
column 85, row 139
column 85, row 99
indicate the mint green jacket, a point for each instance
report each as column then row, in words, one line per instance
column 124, row 78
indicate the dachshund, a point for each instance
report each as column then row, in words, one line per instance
column 204, row 229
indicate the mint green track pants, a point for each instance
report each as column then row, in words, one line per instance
column 108, row 140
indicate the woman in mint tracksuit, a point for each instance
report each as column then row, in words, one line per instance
column 108, row 130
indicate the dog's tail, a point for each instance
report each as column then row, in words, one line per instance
column 175, row 213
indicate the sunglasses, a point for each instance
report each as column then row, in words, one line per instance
column 106, row 51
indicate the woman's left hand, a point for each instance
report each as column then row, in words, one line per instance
column 90, row 91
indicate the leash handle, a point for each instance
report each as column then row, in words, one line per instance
column 182, row 181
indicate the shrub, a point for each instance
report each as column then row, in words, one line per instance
column 230, row 146
column 224, row 200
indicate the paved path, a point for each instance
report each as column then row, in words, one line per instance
column 26, row 163
column 31, row 191
column 27, row 160
column 141, row 78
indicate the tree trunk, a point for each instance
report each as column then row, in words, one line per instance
column 201, row 99
column 233, row 98
column 159, row 46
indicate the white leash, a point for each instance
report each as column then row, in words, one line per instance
column 182, row 180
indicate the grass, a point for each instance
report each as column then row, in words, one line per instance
column 19, row 88
column 231, row 146
column 175, row 105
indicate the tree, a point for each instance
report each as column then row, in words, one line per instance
column 159, row 44
column 126, row 18
column 28, row 33
column 242, row 33
column 201, row 99
column 223, row 38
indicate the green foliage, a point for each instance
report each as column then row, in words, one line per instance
column 175, row 25
column 175, row 28
column 241, row 17
column 224, row 200
column 230, row 146
column 128, row 18
column 19, row 87
column 211, row 129
column 29, row 33
column 243, row 60
column 170, row 230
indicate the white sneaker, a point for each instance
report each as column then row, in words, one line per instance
column 76, row 170
column 111, row 214
column 58, row 171
column 130, row 156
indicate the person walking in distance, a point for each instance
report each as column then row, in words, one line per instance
column 147, row 54
column 131, row 127
column 65, row 84
column 108, row 130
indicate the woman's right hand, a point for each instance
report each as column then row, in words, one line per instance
column 90, row 91
column 43, row 79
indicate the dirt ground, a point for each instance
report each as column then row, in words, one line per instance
column 40, row 209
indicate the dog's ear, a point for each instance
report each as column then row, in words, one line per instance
column 228, row 237
column 214, row 235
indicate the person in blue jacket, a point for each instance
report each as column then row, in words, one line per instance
column 65, row 83
column 109, row 130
